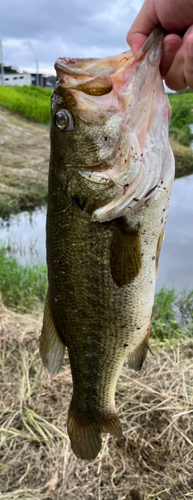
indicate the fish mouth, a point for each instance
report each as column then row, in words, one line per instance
column 132, row 87
column 86, row 70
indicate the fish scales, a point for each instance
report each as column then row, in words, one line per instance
column 102, row 253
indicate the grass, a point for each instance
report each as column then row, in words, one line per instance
column 31, row 102
column 182, row 116
column 21, row 287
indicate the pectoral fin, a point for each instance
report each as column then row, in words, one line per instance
column 125, row 256
column 51, row 346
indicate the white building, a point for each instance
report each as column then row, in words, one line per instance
column 11, row 79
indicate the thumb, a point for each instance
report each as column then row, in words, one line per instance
column 144, row 23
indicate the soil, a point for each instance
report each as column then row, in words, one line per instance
column 24, row 160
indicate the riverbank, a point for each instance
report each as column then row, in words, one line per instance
column 24, row 161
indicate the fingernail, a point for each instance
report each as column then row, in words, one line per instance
column 190, row 47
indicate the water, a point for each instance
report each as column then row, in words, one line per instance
column 26, row 234
column 176, row 260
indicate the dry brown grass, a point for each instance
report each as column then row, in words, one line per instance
column 155, row 407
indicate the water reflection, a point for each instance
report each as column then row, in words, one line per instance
column 25, row 235
column 176, row 260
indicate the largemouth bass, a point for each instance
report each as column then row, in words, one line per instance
column 110, row 179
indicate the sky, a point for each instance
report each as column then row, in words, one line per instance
column 44, row 30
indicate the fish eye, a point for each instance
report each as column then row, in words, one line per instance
column 63, row 120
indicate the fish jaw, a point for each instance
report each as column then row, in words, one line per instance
column 120, row 100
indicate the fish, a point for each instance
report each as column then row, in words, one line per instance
column 110, row 180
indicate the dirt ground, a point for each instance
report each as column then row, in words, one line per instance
column 155, row 407
column 24, row 159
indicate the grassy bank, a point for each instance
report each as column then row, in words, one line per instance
column 22, row 287
column 31, row 102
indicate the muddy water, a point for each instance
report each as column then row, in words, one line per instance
column 27, row 236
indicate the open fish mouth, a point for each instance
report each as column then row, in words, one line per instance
column 122, row 93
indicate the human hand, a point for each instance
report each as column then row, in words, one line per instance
column 177, row 54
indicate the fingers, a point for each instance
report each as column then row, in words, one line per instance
column 144, row 23
column 171, row 45
column 188, row 67
column 177, row 69
column 137, row 40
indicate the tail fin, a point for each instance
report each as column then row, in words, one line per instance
column 85, row 435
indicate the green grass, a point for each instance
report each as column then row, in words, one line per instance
column 172, row 314
column 21, row 287
column 31, row 102
column 182, row 116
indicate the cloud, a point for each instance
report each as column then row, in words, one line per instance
column 45, row 30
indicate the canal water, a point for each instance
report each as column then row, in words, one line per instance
column 25, row 235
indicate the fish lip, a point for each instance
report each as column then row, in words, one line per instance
column 64, row 64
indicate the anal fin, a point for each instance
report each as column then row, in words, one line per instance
column 51, row 346
column 136, row 359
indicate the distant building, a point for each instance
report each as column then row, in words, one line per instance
column 39, row 80
column 11, row 79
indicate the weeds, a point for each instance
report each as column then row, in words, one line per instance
column 6, row 206
column 22, row 287
column 172, row 314
column 181, row 117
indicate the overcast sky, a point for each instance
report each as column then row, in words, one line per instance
column 48, row 29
